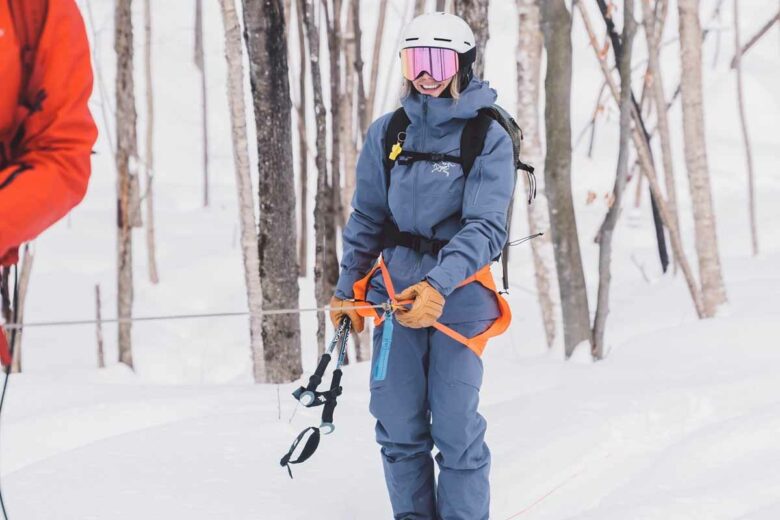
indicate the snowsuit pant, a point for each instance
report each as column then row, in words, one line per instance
column 429, row 397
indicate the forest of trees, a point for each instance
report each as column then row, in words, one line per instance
column 285, row 88
column 282, row 41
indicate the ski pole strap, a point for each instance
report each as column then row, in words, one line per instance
column 308, row 449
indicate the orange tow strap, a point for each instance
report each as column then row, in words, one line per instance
column 476, row 343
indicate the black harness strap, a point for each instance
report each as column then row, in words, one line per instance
column 409, row 156
column 392, row 236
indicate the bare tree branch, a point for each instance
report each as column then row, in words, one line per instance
column 648, row 170
column 752, row 41
column 610, row 221
column 737, row 63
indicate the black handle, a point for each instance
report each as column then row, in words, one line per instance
column 330, row 404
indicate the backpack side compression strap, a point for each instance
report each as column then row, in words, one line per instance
column 472, row 142
column 472, row 139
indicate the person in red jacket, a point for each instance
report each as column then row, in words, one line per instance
column 46, row 129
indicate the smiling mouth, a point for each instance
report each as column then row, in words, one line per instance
column 431, row 87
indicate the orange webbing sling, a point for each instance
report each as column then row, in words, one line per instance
column 483, row 276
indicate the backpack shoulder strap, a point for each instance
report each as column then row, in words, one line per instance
column 472, row 139
column 29, row 18
column 395, row 133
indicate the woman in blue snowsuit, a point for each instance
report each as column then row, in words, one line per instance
column 434, row 228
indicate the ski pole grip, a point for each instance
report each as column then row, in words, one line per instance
column 330, row 404
column 316, row 377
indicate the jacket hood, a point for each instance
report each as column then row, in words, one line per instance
column 476, row 95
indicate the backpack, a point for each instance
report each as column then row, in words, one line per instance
column 472, row 141
column 29, row 17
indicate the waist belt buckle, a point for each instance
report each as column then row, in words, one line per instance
column 431, row 247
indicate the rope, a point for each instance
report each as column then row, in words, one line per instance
column 171, row 317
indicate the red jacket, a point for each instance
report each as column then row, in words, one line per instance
column 45, row 147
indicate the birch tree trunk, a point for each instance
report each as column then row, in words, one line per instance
column 610, row 221
column 333, row 26
column 266, row 40
column 375, row 59
column 556, row 27
column 647, row 168
column 125, row 150
column 151, row 248
column 652, row 33
column 350, row 151
column 200, row 62
column 348, row 118
column 246, row 208
column 475, row 12
column 745, row 136
column 303, row 146
column 325, row 264
column 25, row 271
column 529, row 59
column 606, row 13
column 362, row 115
column 712, row 287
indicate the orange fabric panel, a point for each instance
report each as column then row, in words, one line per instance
column 10, row 72
column 48, row 171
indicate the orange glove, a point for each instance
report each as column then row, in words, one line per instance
column 336, row 313
column 426, row 308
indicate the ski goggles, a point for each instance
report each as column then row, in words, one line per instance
column 441, row 64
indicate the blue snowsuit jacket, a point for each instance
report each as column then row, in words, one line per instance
column 433, row 200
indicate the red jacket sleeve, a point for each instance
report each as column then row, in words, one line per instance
column 50, row 166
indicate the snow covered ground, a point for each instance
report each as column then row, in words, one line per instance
column 681, row 421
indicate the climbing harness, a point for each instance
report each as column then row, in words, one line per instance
column 310, row 397
column 476, row 344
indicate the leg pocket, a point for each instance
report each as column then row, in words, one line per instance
column 453, row 361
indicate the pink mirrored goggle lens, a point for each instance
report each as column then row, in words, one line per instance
column 441, row 64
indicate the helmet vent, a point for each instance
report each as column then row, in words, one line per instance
column 467, row 43
column 442, row 39
column 412, row 39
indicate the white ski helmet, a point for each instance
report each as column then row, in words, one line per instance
column 443, row 30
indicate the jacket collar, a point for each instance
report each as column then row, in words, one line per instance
column 441, row 111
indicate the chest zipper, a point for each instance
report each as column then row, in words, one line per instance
column 414, row 170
